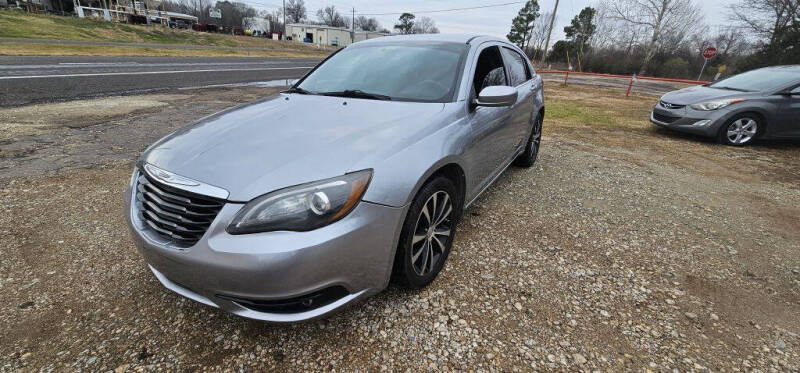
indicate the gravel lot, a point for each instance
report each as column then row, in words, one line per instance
column 625, row 248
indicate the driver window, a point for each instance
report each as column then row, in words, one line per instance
column 796, row 90
column 489, row 70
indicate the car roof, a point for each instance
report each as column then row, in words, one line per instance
column 452, row 38
column 791, row 68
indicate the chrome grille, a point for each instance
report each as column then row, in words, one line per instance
column 668, row 105
column 174, row 214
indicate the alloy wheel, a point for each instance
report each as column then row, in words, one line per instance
column 432, row 232
column 536, row 137
column 742, row 131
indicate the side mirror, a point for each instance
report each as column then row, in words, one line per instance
column 497, row 96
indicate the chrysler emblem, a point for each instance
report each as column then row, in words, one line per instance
column 168, row 177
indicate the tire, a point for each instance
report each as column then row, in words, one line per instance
column 741, row 130
column 422, row 251
column 528, row 157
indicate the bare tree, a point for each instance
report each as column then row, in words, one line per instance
column 730, row 40
column 424, row 25
column 538, row 34
column 331, row 17
column 295, row 11
column 234, row 13
column 367, row 24
column 199, row 9
column 768, row 18
column 613, row 33
column 275, row 19
column 660, row 19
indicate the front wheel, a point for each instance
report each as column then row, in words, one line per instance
column 528, row 156
column 740, row 130
column 427, row 234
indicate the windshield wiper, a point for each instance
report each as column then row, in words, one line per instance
column 731, row 88
column 357, row 93
column 299, row 90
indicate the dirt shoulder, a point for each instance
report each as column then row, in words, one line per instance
column 47, row 138
column 624, row 248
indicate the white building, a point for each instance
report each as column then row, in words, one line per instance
column 326, row 35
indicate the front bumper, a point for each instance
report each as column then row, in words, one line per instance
column 355, row 253
column 701, row 123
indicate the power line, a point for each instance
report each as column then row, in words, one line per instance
column 251, row 2
column 440, row 10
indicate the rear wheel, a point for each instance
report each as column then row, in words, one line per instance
column 741, row 130
column 427, row 235
column 528, row 156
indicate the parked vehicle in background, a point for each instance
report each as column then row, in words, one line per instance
column 292, row 207
column 179, row 24
column 758, row 104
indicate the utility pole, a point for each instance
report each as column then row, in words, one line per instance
column 549, row 30
column 353, row 27
column 284, row 19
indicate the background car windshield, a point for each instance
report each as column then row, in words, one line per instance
column 425, row 72
column 760, row 80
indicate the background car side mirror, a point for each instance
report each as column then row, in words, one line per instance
column 497, row 96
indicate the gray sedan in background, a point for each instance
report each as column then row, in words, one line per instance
column 758, row 104
column 292, row 207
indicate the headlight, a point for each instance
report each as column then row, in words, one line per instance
column 714, row 105
column 303, row 207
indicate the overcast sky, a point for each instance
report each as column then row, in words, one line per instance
column 493, row 21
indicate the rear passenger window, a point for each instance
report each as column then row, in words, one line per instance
column 518, row 70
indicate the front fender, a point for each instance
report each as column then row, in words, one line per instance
column 397, row 178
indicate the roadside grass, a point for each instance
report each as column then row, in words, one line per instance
column 15, row 24
column 576, row 106
column 29, row 49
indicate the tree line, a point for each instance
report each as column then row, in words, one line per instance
column 238, row 13
column 664, row 37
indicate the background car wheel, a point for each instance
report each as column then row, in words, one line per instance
column 427, row 234
column 528, row 157
column 741, row 130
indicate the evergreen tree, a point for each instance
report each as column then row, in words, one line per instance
column 580, row 31
column 522, row 25
column 582, row 28
column 406, row 23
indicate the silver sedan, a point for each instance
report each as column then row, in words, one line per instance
column 296, row 205
column 758, row 104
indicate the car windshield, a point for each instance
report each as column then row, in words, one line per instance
column 422, row 71
column 760, row 80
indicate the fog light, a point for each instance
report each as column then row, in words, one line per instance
column 320, row 204
column 701, row 123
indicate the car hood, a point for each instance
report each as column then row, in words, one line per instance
column 289, row 140
column 698, row 94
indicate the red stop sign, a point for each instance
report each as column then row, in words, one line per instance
column 709, row 53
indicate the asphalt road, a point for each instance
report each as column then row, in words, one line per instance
column 25, row 80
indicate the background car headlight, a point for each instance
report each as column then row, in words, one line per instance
column 714, row 105
column 303, row 207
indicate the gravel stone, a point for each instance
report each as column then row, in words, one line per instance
column 590, row 260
